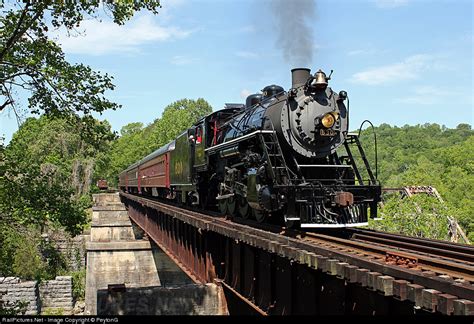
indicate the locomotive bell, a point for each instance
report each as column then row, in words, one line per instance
column 320, row 80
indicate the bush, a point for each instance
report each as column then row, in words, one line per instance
column 27, row 255
column 9, row 241
column 12, row 309
column 27, row 261
column 56, row 263
column 419, row 216
column 51, row 311
column 79, row 284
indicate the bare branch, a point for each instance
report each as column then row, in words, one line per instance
column 23, row 85
column 12, row 76
column 18, row 119
column 12, row 103
column 5, row 104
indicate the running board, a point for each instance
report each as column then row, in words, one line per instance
column 309, row 225
column 225, row 196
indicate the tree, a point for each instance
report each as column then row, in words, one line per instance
column 31, row 62
column 48, row 168
column 419, row 216
column 40, row 197
column 69, row 145
column 177, row 117
column 131, row 129
column 46, row 155
column 137, row 142
column 429, row 155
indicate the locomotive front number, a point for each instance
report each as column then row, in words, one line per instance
column 327, row 132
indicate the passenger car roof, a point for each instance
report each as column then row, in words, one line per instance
column 165, row 148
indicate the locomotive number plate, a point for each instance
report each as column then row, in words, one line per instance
column 327, row 132
column 178, row 168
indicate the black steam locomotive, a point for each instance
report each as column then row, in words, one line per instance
column 283, row 156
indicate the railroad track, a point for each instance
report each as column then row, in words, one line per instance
column 450, row 268
column 441, row 248
column 449, row 260
column 435, row 264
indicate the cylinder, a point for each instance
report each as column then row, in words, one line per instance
column 230, row 152
column 299, row 76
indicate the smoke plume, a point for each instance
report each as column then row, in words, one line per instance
column 295, row 25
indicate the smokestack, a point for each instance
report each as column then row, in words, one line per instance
column 299, row 76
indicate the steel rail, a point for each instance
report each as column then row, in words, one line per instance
column 458, row 270
column 366, row 255
column 440, row 248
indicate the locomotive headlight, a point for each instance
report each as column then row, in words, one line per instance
column 328, row 120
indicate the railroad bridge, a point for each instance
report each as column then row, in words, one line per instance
column 273, row 271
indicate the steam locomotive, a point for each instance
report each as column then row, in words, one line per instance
column 284, row 156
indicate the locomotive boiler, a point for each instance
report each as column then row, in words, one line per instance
column 284, row 156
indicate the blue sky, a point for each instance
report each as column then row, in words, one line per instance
column 401, row 61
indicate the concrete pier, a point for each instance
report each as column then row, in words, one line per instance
column 128, row 274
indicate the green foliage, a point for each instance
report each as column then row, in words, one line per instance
column 428, row 155
column 420, row 216
column 10, row 238
column 79, row 284
column 27, row 262
column 58, row 141
column 137, row 142
column 39, row 198
column 52, row 311
column 35, row 258
column 55, row 263
column 12, row 309
column 48, row 168
column 131, row 129
column 32, row 62
column 46, row 171
column 399, row 148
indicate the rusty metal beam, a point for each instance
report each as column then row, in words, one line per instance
column 277, row 274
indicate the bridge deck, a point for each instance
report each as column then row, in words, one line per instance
column 279, row 274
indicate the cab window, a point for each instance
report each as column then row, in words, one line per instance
column 199, row 135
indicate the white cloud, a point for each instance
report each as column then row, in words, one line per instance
column 390, row 4
column 368, row 51
column 182, row 60
column 168, row 7
column 170, row 4
column 247, row 54
column 245, row 93
column 357, row 52
column 247, row 29
column 410, row 68
column 430, row 95
column 98, row 38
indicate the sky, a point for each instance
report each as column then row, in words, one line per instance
column 401, row 61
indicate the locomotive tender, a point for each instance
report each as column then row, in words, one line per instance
column 276, row 158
